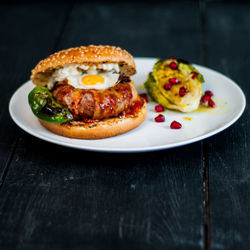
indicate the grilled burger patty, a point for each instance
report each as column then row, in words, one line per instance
column 96, row 104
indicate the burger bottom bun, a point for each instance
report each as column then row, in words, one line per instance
column 100, row 129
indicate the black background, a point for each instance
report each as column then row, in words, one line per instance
column 192, row 197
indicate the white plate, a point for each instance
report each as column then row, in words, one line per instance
column 149, row 135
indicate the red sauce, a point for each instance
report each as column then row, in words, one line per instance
column 89, row 120
column 137, row 105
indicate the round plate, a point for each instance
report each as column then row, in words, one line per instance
column 149, row 135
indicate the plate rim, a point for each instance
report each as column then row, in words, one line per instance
column 133, row 150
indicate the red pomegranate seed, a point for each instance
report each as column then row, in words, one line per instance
column 194, row 74
column 89, row 121
column 182, row 91
column 159, row 108
column 175, row 125
column 144, row 96
column 173, row 81
column 211, row 103
column 160, row 118
column 173, row 65
column 208, row 93
column 205, row 98
column 167, row 86
column 172, row 58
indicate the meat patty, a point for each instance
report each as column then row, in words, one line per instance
column 96, row 104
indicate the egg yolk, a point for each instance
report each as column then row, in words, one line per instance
column 92, row 79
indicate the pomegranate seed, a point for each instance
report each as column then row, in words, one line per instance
column 175, row 125
column 208, row 93
column 211, row 103
column 182, row 91
column 160, row 118
column 172, row 58
column 89, row 120
column 173, row 81
column 159, row 108
column 205, row 98
column 173, row 65
column 144, row 96
column 194, row 74
column 167, row 86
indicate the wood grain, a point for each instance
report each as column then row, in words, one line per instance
column 28, row 33
column 97, row 198
column 59, row 198
column 228, row 37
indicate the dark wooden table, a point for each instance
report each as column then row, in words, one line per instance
column 192, row 197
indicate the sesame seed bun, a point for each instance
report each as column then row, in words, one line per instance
column 91, row 54
column 101, row 129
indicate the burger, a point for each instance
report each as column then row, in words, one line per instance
column 87, row 93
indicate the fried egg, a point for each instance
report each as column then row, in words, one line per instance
column 92, row 78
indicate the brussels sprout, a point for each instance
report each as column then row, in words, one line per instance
column 175, row 88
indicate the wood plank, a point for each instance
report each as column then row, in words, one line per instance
column 228, row 39
column 144, row 29
column 91, row 199
column 59, row 198
column 28, row 33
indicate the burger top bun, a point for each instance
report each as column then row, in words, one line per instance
column 92, row 54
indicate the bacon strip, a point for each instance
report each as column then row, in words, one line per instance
column 93, row 103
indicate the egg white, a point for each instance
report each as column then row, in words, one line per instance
column 110, row 73
column 110, row 79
